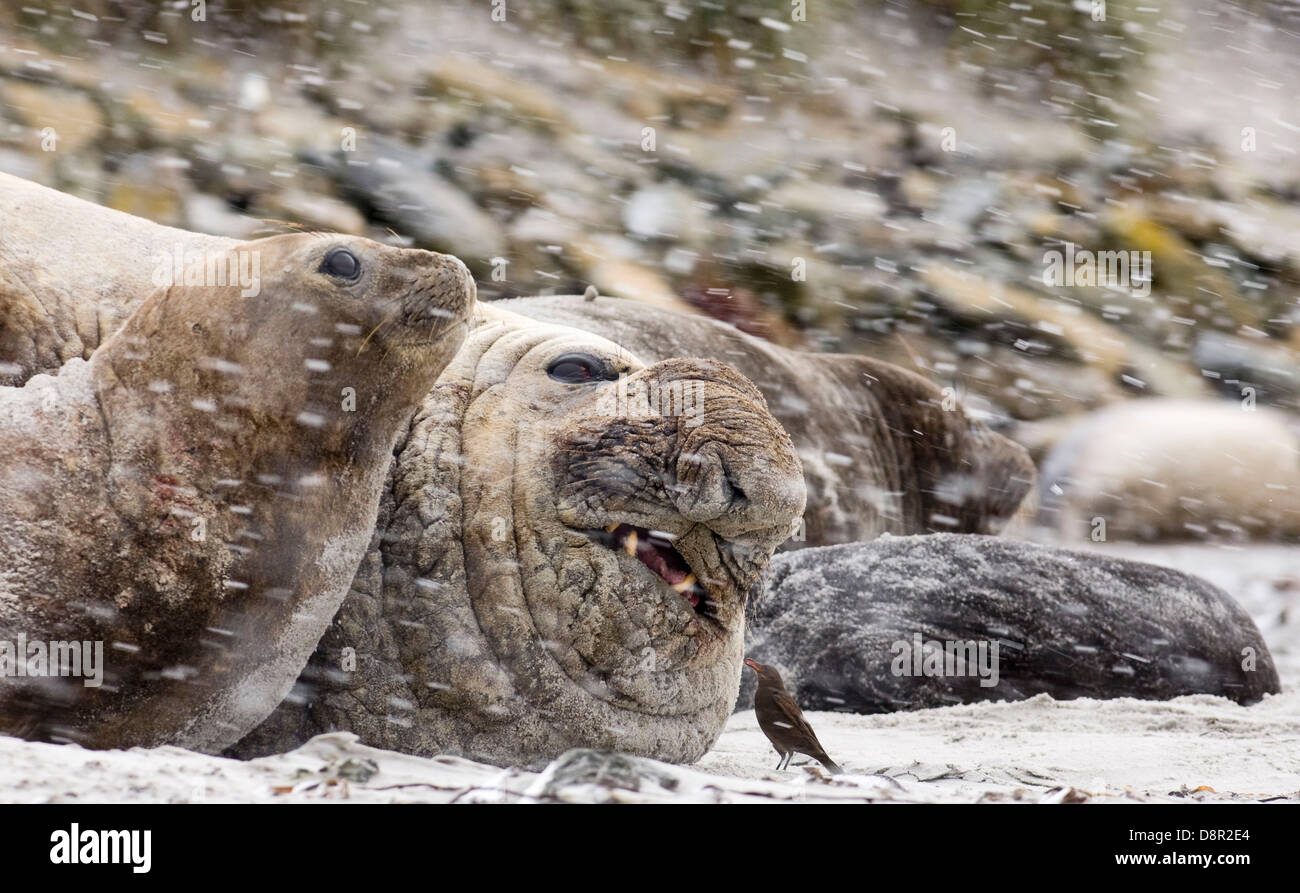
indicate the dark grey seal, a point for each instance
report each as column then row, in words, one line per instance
column 841, row 622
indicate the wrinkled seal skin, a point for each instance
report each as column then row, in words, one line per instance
column 198, row 495
column 488, row 621
column 1158, row 470
column 880, row 452
column 1069, row 624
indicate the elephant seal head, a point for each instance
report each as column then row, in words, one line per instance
column 564, row 557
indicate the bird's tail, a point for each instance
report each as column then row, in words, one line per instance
column 831, row 766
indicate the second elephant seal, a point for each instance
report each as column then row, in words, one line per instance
column 195, row 499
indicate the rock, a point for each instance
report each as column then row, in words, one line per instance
column 1032, row 387
column 1047, row 328
column 1051, row 322
column 821, row 201
column 1233, row 363
column 1264, row 229
column 609, row 263
column 315, row 211
column 25, row 165
column 964, row 203
column 209, row 214
column 601, row 776
column 1180, row 270
column 152, row 186
column 666, row 211
column 396, row 184
column 646, row 93
column 74, row 119
column 469, row 79
column 543, row 226
column 835, row 621
column 296, row 126
column 158, row 117
column 254, row 92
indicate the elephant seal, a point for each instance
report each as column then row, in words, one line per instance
column 883, row 449
column 564, row 553
column 196, row 497
column 904, row 623
column 1175, row 470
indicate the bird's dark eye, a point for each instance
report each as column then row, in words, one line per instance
column 576, row 368
column 341, row 264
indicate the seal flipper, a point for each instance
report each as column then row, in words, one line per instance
column 958, row 475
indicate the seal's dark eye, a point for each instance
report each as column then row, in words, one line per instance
column 341, row 264
column 576, row 368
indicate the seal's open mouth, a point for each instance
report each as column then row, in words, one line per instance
column 654, row 549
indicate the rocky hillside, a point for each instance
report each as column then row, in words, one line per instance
column 890, row 178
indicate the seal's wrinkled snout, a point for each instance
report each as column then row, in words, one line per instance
column 736, row 470
column 439, row 289
column 682, row 467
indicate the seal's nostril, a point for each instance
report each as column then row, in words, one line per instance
column 737, row 493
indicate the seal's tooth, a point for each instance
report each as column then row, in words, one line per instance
column 629, row 544
column 685, row 585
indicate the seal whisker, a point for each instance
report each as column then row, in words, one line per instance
column 373, row 331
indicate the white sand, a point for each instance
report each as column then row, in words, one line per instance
column 1194, row 748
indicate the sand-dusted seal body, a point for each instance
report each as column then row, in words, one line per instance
column 557, row 566
column 842, row 623
column 1152, row 470
column 883, row 449
column 198, row 495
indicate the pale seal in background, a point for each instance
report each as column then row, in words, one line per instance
column 1152, row 470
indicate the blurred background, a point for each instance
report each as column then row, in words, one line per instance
column 875, row 177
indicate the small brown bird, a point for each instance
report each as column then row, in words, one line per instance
column 782, row 721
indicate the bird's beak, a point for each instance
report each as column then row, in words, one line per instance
column 753, row 665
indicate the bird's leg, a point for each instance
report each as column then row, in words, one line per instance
column 779, row 760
